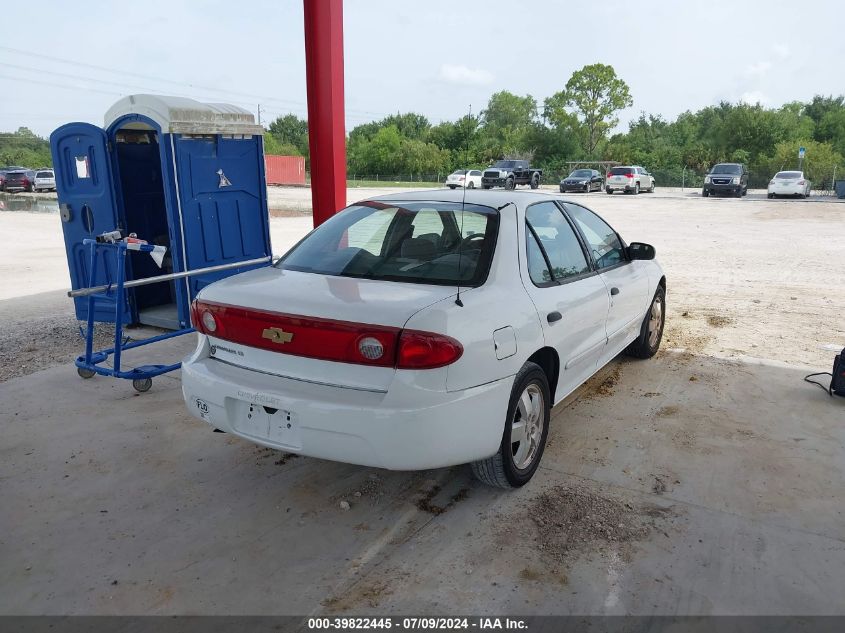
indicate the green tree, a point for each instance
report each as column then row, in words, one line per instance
column 291, row 130
column 507, row 124
column 596, row 94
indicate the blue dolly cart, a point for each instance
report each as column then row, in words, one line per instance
column 91, row 362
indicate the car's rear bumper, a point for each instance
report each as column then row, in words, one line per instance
column 406, row 428
column 621, row 186
column 787, row 191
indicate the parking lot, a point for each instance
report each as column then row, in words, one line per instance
column 705, row 481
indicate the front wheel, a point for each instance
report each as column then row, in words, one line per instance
column 485, row 186
column 651, row 331
column 509, row 184
column 609, row 191
column 705, row 194
column 525, row 433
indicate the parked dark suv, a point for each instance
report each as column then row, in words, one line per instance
column 19, row 180
column 726, row 178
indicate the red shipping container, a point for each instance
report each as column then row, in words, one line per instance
column 284, row 170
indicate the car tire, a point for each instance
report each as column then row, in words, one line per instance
column 471, row 185
column 509, row 184
column 705, row 194
column 738, row 193
column 609, row 191
column 653, row 186
column 452, row 187
column 771, row 195
column 535, row 181
column 651, row 330
column 636, row 190
column 485, row 186
column 562, row 190
column 502, row 470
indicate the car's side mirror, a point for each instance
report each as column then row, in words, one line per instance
column 638, row 250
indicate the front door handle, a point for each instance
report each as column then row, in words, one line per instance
column 614, row 291
column 554, row 316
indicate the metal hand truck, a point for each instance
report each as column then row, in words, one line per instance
column 90, row 363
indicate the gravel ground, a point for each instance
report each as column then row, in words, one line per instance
column 30, row 345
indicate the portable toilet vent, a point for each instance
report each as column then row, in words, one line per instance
column 176, row 172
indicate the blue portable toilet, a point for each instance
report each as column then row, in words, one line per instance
column 177, row 172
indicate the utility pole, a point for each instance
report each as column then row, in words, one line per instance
column 259, row 114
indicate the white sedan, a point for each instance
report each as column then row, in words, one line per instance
column 469, row 178
column 789, row 183
column 417, row 330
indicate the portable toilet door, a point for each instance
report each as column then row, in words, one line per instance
column 87, row 207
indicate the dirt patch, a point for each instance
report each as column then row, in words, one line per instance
column 32, row 345
column 718, row 321
column 602, row 385
column 426, row 504
column 572, row 519
column 288, row 213
column 666, row 411
column 367, row 593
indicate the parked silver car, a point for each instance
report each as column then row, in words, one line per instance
column 45, row 180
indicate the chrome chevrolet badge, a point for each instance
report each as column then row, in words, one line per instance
column 277, row 335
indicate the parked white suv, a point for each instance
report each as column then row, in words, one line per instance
column 410, row 333
column 630, row 179
column 45, row 180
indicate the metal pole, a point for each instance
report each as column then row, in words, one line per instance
column 83, row 292
column 118, row 306
column 324, row 82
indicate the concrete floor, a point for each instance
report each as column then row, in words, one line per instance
column 118, row 503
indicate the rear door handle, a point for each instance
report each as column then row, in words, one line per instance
column 614, row 291
column 554, row 316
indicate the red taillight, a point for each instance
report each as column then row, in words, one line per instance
column 630, row 174
column 802, row 182
column 326, row 339
column 424, row 350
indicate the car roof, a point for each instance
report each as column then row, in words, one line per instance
column 495, row 198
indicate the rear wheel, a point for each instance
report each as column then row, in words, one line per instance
column 471, row 185
column 636, row 189
column 452, row 186
column 535, row 181
column 525, row 433
column 651, row 331
column 609, row 191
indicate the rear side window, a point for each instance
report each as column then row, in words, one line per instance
column 604, row 244
column 554, row 252
column 418, row 242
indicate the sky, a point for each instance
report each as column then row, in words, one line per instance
column 71, row 60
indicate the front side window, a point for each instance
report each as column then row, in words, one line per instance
column 602, row 240
column 554, row 252
column 418, row 242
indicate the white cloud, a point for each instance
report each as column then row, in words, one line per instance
column 781, row 50
column 459, row 74
column 760, row 68
column 754, row 97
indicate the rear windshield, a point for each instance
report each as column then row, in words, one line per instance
column 439, row 243
column 788, row 175
column 44, row 174
column 581, row 173
column 459, row 172
column 726, row 169
column 621, row 171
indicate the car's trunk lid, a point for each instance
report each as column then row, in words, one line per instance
column 286, row 323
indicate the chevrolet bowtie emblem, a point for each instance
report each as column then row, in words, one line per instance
column 277, row 335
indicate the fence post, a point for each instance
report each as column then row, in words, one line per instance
column 683, row 178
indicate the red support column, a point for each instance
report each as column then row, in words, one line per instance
column 326, row 129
